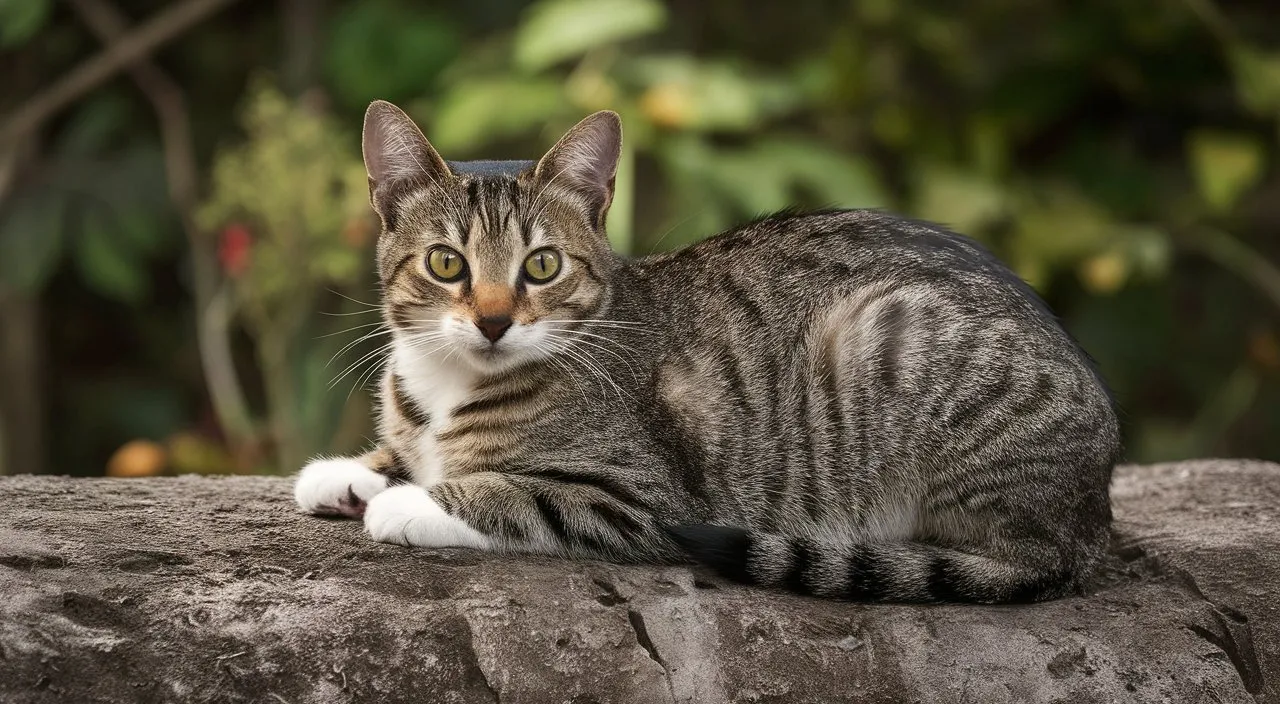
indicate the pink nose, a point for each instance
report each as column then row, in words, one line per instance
column 494, row 326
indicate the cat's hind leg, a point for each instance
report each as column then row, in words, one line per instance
column 343, row 486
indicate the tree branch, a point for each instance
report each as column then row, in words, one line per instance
column 1240, row 259
column 213, row 316
column 162, row 28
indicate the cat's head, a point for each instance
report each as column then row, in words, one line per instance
column 491, row 265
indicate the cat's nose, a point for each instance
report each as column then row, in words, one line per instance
column 494, row 326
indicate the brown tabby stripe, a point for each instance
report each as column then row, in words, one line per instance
column 588, row 269
column 892, row 328
column 389, row 464
column 500, row 400
column 406, row 406
column 613, row 487
column 494, row 423
column 399, row 266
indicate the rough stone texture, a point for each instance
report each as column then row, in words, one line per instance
column 205, row 589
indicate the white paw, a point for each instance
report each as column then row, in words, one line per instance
column 339, row 487
column 407, row 515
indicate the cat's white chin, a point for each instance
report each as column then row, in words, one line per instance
column 522, row 348
column 407, row 515
column 520, row 345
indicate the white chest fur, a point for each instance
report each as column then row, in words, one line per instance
column 438, row 386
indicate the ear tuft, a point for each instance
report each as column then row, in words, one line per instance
column 585, row 160
column 396, row 155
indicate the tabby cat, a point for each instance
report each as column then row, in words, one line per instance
column 844, row 404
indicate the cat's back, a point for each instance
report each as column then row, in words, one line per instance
column 790, row 264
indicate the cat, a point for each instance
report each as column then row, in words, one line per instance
column 844, row 404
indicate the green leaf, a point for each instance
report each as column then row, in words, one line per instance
column 555, row 30
column 838, row 180
column 387, row 50
column 21, row 19
column 1224, row 166
column 965, row 201
column 93, row 125
column 482, row 111
column 142, row 231
column 31, row 236
column 773, row 174
column 106, row 262
column 687, row 93
column 1257, row 77
column 134, row 177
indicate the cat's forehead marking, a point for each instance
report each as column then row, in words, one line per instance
column 492, row 229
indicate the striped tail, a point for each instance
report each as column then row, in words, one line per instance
column 909, row 572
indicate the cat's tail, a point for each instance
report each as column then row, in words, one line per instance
column 894, row 572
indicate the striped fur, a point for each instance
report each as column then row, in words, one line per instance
column 845, row 404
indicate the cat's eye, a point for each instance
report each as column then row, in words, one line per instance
column 542, row 266
column 445, row 264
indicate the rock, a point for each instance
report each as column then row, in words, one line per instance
column 216, row 589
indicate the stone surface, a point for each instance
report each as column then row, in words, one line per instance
column 208, row 589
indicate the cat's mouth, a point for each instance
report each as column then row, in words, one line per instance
column 492, row 354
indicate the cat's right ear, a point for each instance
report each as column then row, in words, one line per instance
column 397, row 157
column 585, row 161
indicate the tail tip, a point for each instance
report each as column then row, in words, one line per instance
column 722, row 548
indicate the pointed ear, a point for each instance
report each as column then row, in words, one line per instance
column 397, row 157
column 585, row 161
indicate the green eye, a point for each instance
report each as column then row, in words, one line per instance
column 542, row 266
column 445, row 264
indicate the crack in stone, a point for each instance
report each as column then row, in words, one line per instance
column 636, row 619
column 470, row 637
column 1234, row 636
column 484, row 677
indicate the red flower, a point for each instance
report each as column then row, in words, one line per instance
column 233, row 249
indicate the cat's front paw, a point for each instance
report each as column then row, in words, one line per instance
column 338, row 487
column 407, row 515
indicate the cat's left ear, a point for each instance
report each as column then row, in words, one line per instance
column 585, row 161
column 397, row 158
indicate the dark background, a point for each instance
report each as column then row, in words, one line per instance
column 185, row 240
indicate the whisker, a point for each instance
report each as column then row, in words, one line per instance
column 605, row 338
column 595, row 320
column 354, row 300
column 360, row 361
column 611, row 324
column 347, row 330
column 563, row 348
column 373, row 370
column 595, row 368
column 569, row 374
column 358, row 340
column 356, row 312
column 622, row 359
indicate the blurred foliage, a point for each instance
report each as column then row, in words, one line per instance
column 98, row 202
column 21, row 19
column 1120, row 155
column 297, row 190
column 292, row 207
